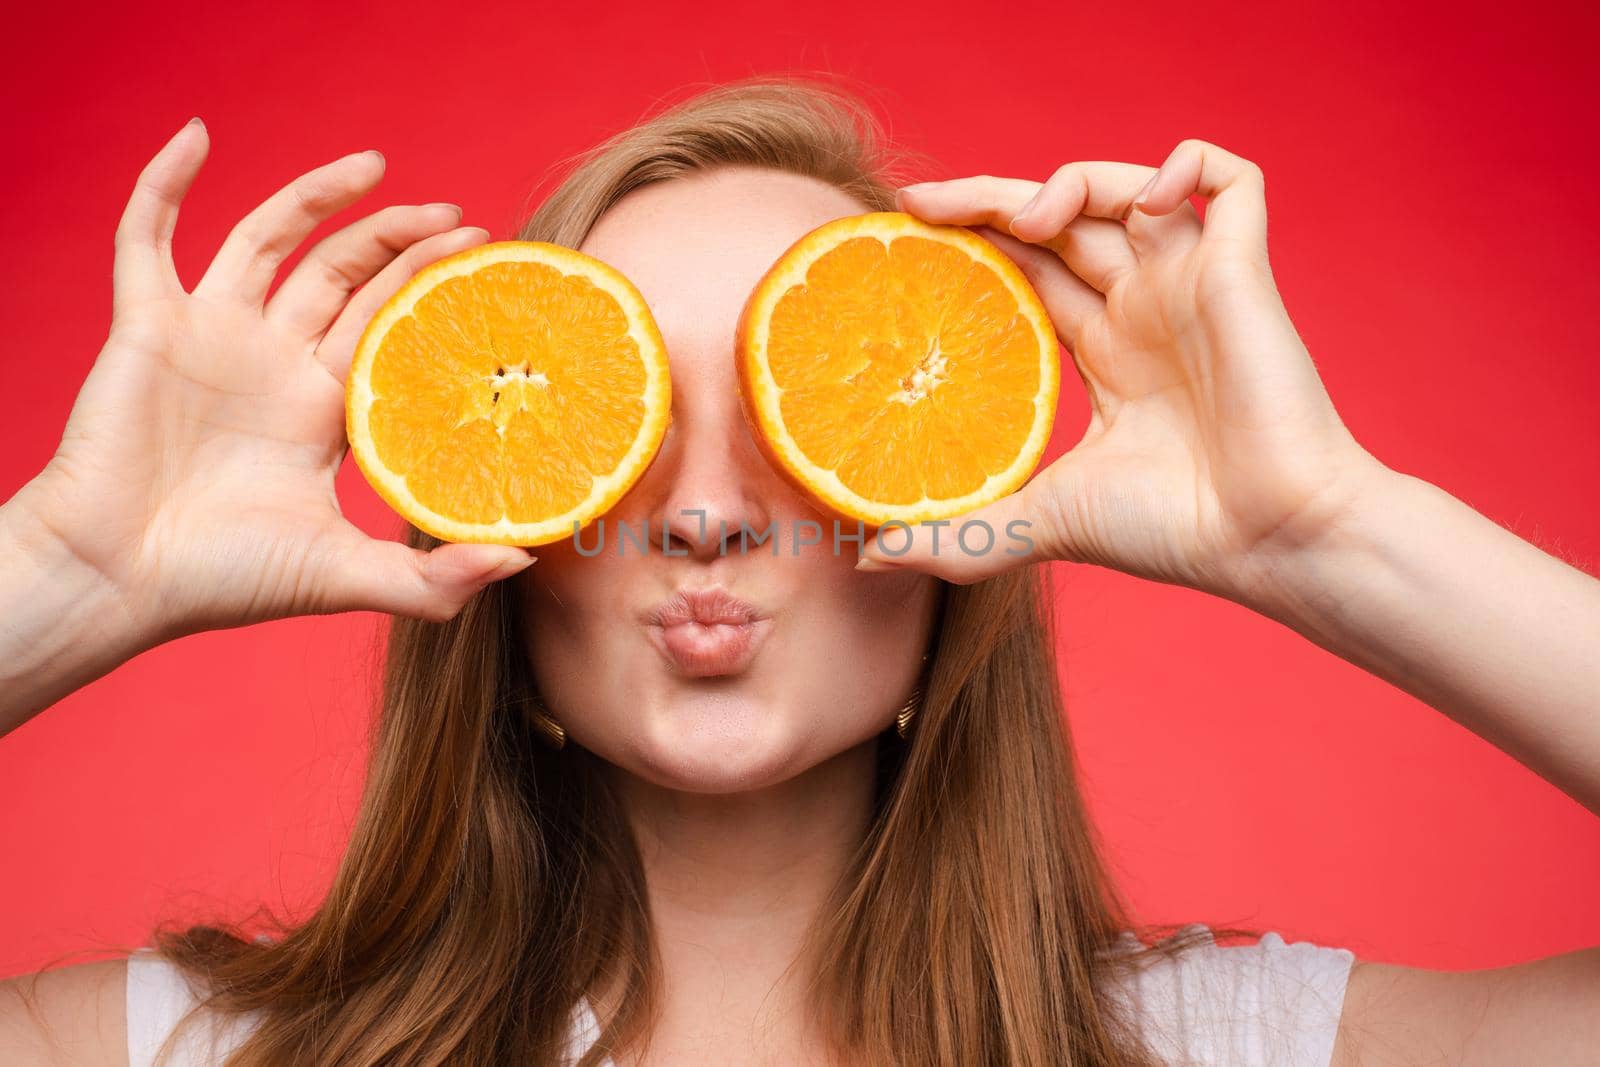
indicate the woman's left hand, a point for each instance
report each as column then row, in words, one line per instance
column 1212, row 443
column 1214, row 459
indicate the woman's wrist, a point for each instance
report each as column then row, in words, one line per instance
column 1296, row 576
column 1414, row 586
column 63, row 622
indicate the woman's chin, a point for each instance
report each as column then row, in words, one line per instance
column 716, row 747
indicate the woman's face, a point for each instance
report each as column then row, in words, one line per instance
column 682, row 690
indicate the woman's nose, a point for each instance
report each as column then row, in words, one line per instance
column 713, row 487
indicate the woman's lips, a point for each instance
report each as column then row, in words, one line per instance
column 705, row 632
column 700, row 651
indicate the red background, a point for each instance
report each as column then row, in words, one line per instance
column 1430, row 175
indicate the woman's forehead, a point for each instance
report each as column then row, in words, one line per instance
column 695, row 246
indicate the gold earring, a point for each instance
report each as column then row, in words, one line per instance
column 908, row 710
column 902, row 721
column 551, row 732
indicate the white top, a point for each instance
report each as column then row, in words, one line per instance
column 1273, row 1002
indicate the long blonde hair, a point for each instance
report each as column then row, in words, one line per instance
column 491, row 883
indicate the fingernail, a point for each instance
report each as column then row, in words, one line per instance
column 915, row 186
column 196, row 122
column 867, row 563
column 1138, row 198
column 1028, row 208
column 375, row 152
column 440, row 203
column 510, row 567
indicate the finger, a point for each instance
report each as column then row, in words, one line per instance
column 1068, row 298
column 1234, row 189
column 1096, row 188
column 1105, row 190
column 250, row 256
column 969, row 548
column 1093, row 249
column 1035, row 524
column 1174, row 233
column 143, row 266
column 1098, row 251
column 375, row 575
column 338, row 345
column 320, row 285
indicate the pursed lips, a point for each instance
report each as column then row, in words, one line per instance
column 707, row 632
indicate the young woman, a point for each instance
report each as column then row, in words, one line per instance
column 585, row 836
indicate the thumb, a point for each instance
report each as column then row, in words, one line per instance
column 391, row 577
column 994, row 539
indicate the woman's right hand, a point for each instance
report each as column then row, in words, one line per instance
column 195, row 477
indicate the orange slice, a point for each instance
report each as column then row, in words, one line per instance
column 508, row 392
column 897, row 370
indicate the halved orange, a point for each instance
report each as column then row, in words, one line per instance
column 893, row 369
column 507, row 393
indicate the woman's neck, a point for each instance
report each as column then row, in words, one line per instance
column 735, row 882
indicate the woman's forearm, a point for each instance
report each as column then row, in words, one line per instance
column 62, row 622
column 1426, row 593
